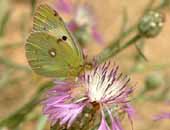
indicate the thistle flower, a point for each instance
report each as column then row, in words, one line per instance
column 104, row 89
column 82, row 18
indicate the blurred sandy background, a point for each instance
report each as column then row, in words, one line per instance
column 109, row 15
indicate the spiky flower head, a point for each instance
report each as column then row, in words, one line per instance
column 103, row 88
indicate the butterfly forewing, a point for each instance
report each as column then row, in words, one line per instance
column 47, row 19
column 50, row 56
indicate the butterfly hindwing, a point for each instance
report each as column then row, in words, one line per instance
column 50, row 56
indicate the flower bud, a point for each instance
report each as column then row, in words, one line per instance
column 153, row 81
column 151, row 24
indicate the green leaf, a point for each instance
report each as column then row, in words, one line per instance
column 33, row 3
column 4, row 15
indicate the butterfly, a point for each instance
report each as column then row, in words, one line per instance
column 51, row 50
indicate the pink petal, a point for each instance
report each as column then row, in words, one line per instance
column 103, row 125
column 64, row 6
column 116, row 125
column 96, row 35
column 162, row 116
column 130, row 110
column 72, row 26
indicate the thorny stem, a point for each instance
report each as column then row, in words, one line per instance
column 114, row 47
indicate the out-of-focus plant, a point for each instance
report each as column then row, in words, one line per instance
column 150, row 25
column 161, row 116
column 165, row 3
column 153, row 81
column 83, row 22
column 164, row 96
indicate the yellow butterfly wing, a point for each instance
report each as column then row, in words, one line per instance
column 50, row 48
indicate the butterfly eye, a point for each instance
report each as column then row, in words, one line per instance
column 64, row 38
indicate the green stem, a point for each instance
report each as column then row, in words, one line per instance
column 10, row 64
column 5, row 46
column 112, row 50
column 4, row 23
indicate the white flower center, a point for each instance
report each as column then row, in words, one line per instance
column 104, row 85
